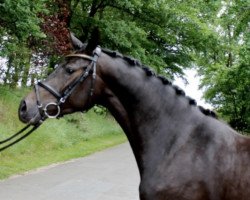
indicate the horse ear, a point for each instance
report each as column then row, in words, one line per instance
column 93, row 41
column 76, row 43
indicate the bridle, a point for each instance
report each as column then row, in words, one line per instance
column 61, row 98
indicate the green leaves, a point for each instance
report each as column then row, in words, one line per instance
column 19, row 28
column 227, row 74
column 213, row 36
column 19, row 18
column 167, row 35
column 171, row 32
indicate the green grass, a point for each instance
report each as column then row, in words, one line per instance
column 55, row 141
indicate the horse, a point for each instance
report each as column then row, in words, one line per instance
column 183, row 152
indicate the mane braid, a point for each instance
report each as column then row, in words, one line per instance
column 149, row 72
column 179, row 91
column 164, row 80
column 113, row 54
column 131, row 61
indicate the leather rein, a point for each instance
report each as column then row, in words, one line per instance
column 61, row 98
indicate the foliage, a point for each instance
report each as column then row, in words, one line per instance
column 55, row 25
column 226, row 75
column 162, row 34
column 19, row 28
column 19, row 18
column 166, row 35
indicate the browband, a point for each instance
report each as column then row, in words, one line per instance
column 81, row 56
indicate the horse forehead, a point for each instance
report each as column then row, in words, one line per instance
column 76, row 63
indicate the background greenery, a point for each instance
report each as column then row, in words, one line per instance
column 56, row 140
column 168, row 35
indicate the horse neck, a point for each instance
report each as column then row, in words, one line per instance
column 141, row 104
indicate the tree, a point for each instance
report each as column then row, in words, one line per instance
column 226, row 77
column 162, row 34
column 166, row 35
column 19, row 27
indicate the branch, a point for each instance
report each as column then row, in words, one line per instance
column 95, row 7
column 137, row 15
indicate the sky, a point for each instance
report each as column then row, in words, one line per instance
column 192, row 88
column 2, row 62
column 2, row 66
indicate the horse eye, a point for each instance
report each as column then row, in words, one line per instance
column 70, row 70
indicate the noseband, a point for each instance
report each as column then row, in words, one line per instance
column 61, row 98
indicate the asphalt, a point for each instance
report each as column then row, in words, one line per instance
column 108, row 175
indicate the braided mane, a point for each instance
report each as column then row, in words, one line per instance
column 164, row 80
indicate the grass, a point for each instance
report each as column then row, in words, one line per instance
column 55, row 141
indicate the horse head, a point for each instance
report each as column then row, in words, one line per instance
column 73, row 86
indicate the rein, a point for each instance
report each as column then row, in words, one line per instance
column 16, row 135
column 61, row 98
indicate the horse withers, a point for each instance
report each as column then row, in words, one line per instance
column 182, row 151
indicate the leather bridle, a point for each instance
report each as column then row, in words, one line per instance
column 61, row 98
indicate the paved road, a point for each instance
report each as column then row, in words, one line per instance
column 108, row 175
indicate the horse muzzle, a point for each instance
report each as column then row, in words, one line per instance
column 28, row 115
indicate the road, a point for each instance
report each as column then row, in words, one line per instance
column 108, row 175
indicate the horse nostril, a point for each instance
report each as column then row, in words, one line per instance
column 23, row 107
column 23, row 111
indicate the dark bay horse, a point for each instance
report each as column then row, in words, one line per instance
column 183, row 152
